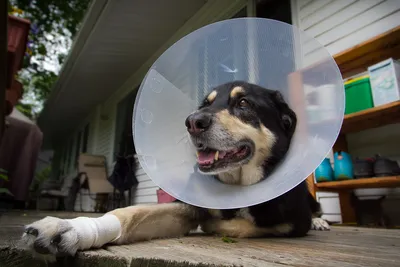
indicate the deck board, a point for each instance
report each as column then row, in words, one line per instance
column 342, row 246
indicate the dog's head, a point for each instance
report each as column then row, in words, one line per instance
column 241, row 132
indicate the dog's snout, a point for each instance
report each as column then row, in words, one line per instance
column 198, row 122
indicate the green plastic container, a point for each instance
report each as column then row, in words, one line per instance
column 358, row 94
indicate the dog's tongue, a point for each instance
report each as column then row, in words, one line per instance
column 206, row 157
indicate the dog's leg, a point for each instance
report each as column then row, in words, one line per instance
column 54, row 236
column 242, row 228
column 317, row 223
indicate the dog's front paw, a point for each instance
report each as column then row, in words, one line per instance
column 51, row 236
column 319, row 224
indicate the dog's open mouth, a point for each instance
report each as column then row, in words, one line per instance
column 209, row 159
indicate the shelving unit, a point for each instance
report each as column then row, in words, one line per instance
column 357, row 59
column 352, row 61
column 371, row 118
column 374, row 182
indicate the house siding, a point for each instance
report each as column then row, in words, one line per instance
column 339, row 25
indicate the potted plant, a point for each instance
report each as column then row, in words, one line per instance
column 36, row 186
column 4, row 178
column 5, row 194
column 18, row 31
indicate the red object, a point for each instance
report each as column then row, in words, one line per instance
column 13, row 94
column 164, row 197
column 18, row 31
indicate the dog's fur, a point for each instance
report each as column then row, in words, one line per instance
column 258, row 126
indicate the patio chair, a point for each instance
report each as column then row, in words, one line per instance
column 63, row 191
column 94, row 172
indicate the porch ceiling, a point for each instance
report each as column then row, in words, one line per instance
column 116, row 38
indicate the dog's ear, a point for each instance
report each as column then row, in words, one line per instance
column 288, row 117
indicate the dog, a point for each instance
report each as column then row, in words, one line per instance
column 241, row 132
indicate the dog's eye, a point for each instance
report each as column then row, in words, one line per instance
column 205, row 103
column 243, row 103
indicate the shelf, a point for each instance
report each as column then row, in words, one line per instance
column 371, row 118
column 358, row 58
column 378, row 182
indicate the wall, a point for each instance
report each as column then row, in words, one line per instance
column 339, row 25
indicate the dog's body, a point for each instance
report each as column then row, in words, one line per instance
column 241, row 132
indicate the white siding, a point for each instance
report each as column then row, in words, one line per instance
column 105, row 135
column 339, row 25
column 146, row 191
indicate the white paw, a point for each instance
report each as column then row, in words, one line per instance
column 319, row 224
column 51, row 236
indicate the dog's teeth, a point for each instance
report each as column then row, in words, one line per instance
column 197, row 153
column 216, row 155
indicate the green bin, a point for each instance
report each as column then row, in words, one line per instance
column 358, row 94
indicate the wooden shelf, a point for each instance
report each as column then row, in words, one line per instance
column 378, row 182
column 358, row 58
column 371, row 118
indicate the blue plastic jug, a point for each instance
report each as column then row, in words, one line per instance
column 324, row 171
column 343, row 166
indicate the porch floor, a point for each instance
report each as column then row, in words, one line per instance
column 342, row 246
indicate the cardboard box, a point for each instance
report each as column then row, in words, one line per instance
column 385, row 81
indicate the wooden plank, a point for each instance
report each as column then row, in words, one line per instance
column 146, row 184
column 304, row 3
column 363, row 21
column 311, row 185
column 378, row 182
column 145, row 191
column 340, row 144
column 346, row 210
column 379, row 42
column 326, row 11
column 145, row 199
column 372, row 118
column 312, row 7
column 391, row 49
column 342, row 246
column 358, row 58
column 341, row 17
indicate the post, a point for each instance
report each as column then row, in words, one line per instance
column 3, row 60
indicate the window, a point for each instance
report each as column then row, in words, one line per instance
column 277, row 10
column 123, row 143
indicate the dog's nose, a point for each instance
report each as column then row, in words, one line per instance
column 198, row 122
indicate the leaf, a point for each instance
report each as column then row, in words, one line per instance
column 42, row 49
column 26, row 109
column 228, row 240
column 5, row 191
column 3, row 177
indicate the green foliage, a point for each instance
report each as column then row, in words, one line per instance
column 40, row 178
column 5, row 191
column 4, row 177
column 54, row 25
column 228, row 240
column 26, row 109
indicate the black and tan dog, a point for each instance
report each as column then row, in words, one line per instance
column 241, row 132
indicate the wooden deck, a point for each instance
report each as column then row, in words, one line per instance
column 342, row 246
